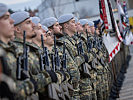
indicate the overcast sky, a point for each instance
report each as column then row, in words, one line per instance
column 21, row 4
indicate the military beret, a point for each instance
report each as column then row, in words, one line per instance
column 83, row 21
column 49, row 21
column 91, row 23
column 35, row 20
column 3, row 9
column 45, row 28
column 19, row 17
column 64, row 18
column 96, row 22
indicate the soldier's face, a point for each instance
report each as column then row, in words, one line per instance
column 49, row 38
column 28, row 26
column 92, row 28
column 71, row 25
column 57, row 28
column 79, row 27
column 87, row 27
column 38, row 31
column 6, row 26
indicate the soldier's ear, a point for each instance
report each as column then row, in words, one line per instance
column 17, row 29
column 65, row 25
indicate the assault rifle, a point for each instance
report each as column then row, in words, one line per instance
column 90, row 45
column 66, row 86
column 22, row 62
column 53, row 88
column 58, row 67
column 81, row 52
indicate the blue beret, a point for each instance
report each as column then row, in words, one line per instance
column 3, row 9
column 35, row 20
column 83, row 21
column 19, row 17
column 96, row 22
column 65, row 18
column 91, row 23
column 45, row 28
column 49, row 21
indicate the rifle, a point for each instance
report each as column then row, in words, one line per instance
column 22, row 62
column 53, row 88
column 66, row 86
column 56, row 56
column 81, row 52
column 25, row 54
column 57, row 65
column 89, row 43
column 18, row 70
column 89, row 47
column 45, row 56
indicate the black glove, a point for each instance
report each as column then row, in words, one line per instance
column 24, row 75
column 85, row 57
column 52, row 75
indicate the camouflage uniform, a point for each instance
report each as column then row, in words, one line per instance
column 63, row 75
column 41, row 78
column 92, row 69
column 23, row 88
column 88, row 89
column 72, row 49
column 72, row 68
column 7, row 85
column 102, row 72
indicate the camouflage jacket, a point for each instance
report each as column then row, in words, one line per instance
column 23, row 88
column 72, row 67
column 72, row 49
column 41, row 78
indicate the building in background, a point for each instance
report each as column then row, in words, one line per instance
column 55, row 8
column 80, row 8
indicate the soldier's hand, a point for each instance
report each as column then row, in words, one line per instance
column 52, row 75
column 24, row 75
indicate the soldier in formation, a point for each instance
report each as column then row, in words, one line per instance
column 52, row 59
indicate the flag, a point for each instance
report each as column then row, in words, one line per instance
column 120, row 16
column 112, row 43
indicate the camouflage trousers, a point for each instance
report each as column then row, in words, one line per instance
column 94, row 82
column 102, row 86
column 85, row 89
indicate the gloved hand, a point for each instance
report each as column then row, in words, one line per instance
column 61, row 76
column 52, row 75
column 24, row 75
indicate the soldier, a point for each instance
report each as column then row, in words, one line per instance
column 25, row 87
column 48, row 42
column 102, row 62
column 7, row 85
column 83, row 38
column 67, row 22
column 55, row 28
column 23, row 23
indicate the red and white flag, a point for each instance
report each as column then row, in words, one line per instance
column 112, row 43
